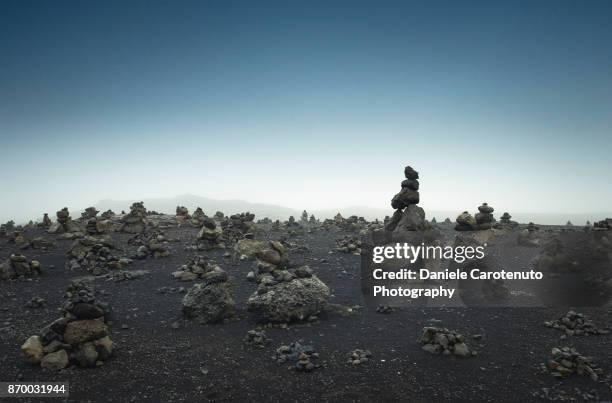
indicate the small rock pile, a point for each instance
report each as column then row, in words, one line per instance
column 575, row 324
column 212, row 300
column 566, row 361
column 46, row 221
column 302, row 357
column 196, row 268
column 505, row 222
column 136, row 220
column 385, row 309
column 304, row 217
column 36, row 302
column 107, row 215
column 80, row 336
column 358, row 357
column 529, row 236
column 288, row 295
column 210, row 235
column 198, row 216
column 603, row 224
column 96, row 255
column 348, row 244
column 63, row 224
column 481, row 221
column 7, row 228
column 17, row 266
column 237, row 227
column 150, row 243
column 90, row 212
column 408, row 216
column 272, row 258
column 256, row 338
column 438, row 340
column 182, row 212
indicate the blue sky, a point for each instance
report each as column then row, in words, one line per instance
column 307, row 104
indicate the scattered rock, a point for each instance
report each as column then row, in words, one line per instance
column 438, row 340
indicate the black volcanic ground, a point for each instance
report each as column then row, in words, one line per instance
column 157, row 362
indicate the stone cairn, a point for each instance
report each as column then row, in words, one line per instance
column 80, row 336
column 438, row 340
column 506, row 222
column 482, row 220
column 5, row 229
column 256, row 338
column 136, row 220
column 194, row 269
column 359, row 356
column 348, row 244
column 96, row 255
column 198, row 217
column 212, row 300
column 63, row 224
column 271, row 259
column 566, row 361
column 575, row 324
column 210, row 235
column 302, row 357
column 46, row 221
column 182, row 212
column 304, row 218
column 603, row 224
column 150, row 243
column 90, row 212
column 107, row 215
column 237, row 227
column 17, row 266
column 408, row 216
column 289, row 295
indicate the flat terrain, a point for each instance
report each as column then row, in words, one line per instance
column 156, row 361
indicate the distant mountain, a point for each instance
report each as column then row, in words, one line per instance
column 210, row 206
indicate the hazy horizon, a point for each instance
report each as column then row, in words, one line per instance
column 311, row 105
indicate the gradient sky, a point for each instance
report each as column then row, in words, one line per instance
column 307, row 104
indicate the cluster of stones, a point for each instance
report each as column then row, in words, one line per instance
column 566, row 361
column 150, row 243
column 256, row 338
column 182, row 212
column 482, row 220
column 289, row 295
column 408, row 216
column 237, row 227
column 359, row 356
column 7, row 228
column 271, row 260
column 212, row 300
column 291, row 224
column 348, row 244
column 46, row 221
column 107, row 215
column 304, row 217
column 352, row 223
column 603, row 224
column 80, row 336
column 96, row 255
column 63, row 224
column 438, row 340
column 529, row 236
column 198, row 216
column 385, row 309
column 505, row 222
column 19, row 240
column 302, row 357
column 136, row 220
column 575, row 324
column 210, row 235
column 17, row 266
column 196, row 268
column 36, row 302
